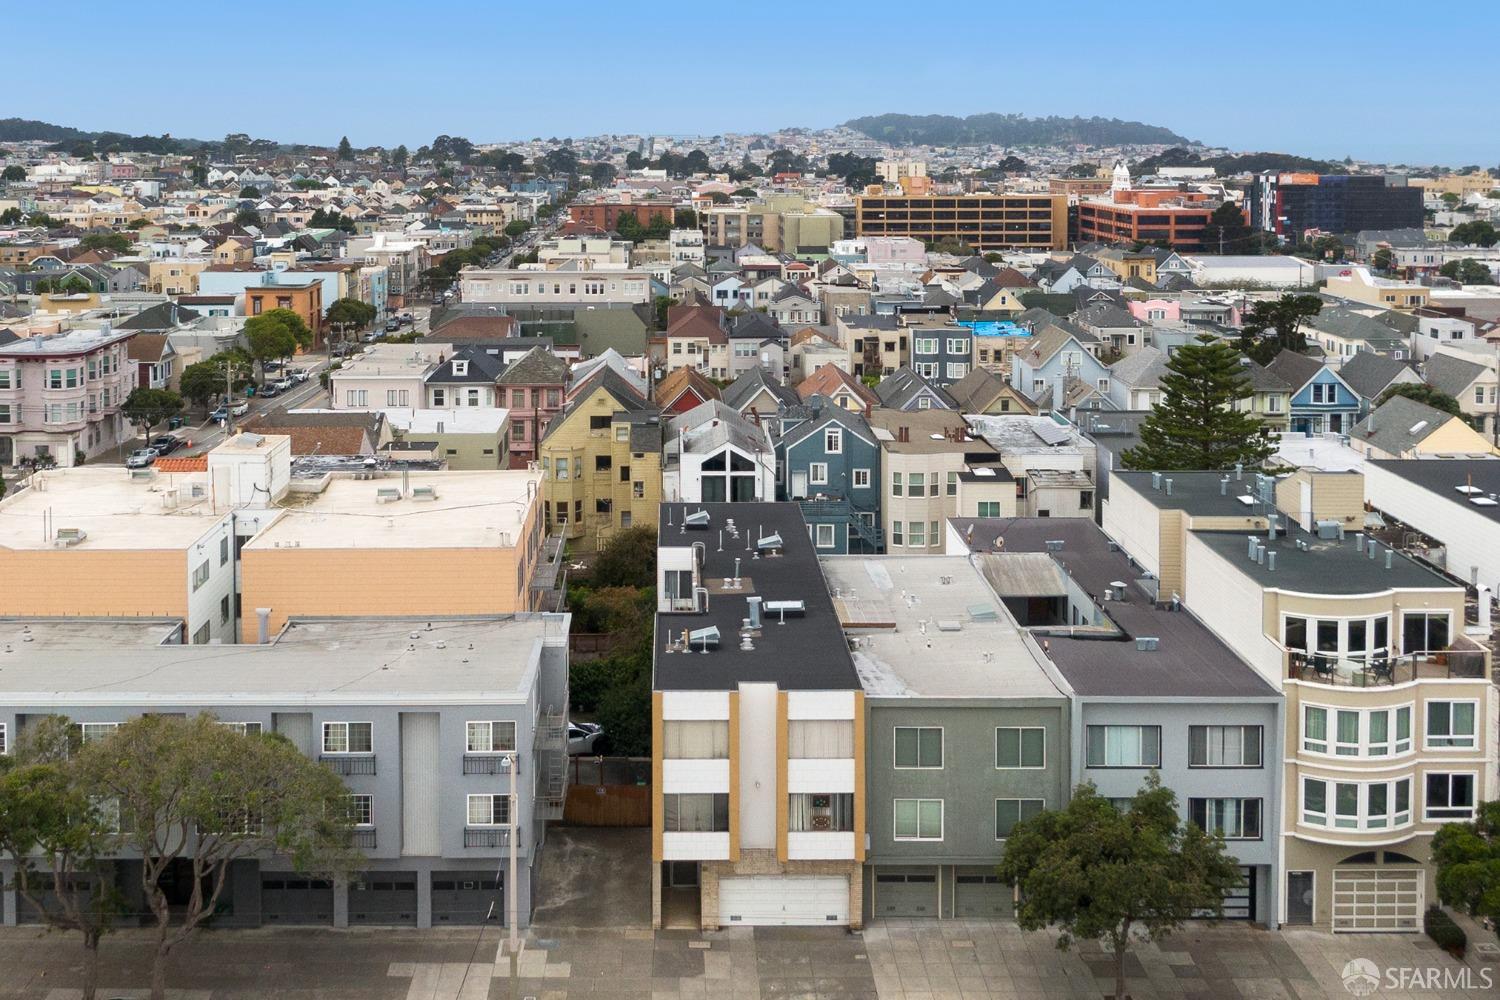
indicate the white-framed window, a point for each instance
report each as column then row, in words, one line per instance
column 896, row 484
column 861, row 479
column 490, row 737
column 695, row 812
column 397, row 397
column 1349, row 732
column 356, row 397
column 1448, row 795
column 1330, row 639
column 916, row 534
column 1123, row 746
column 833, row 440
column 1224, row 746
column 1323, row 393
column 1451, row 725
column 925, row 345
column 695, row 739
column 488, row 810
column 1356, row 805
column 1020, row 747
column 438, row 399
column 348, row 737
column 918, row 819
column 200, row 574
column 918, row 747
column 825, row 536
column 1009, row 812
column 820, row 739
column 1236, row 819
column 90, row 731
column 957, row 345
column 243, row 728
column 896, row 535
column 924, row 402
column 953, row 484
column 362, row 810
column 817, row 473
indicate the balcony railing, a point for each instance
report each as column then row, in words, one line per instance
column 349, row 763
column 479, row 836
column 364, row 839
column 1384, row 671
column 486, row 763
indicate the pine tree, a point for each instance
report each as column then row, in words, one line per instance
column 1196, row 425
column 346, row 151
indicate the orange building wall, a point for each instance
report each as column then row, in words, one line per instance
column 102, row 582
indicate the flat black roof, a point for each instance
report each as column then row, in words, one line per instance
column 1197, row 493
column 1444, row 477
column 1325, row 566
column 1189, row 661
column 808, row 653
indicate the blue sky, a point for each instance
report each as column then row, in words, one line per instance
column 1310, row 78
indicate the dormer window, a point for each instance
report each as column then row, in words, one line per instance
column 460, row 367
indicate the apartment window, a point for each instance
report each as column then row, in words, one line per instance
column 932, row 534
column 1224, row 746
column 989, row 508
column 861, row 479
column 895, row 484
column 1451, row 725
column 833, row 441
column 224, row 610
column 356, row 397
column 1424, row 631
column 817, row 473
column 1124, row 746
column 243, row 728
column 953, row 484
column 820, row 812
column 490, row 737
column 695, row 739
column 200, row 574
column 1322, row 393
column 361, row 810
column 223, row 550
column 926, row 345
column 695, row 813
column 1355, row 805
column 54, row 378
column 90, row 731
column 1236, row 819
column 1449, row 796
column 5, row 378
column 1009, row 812
column 489, row 810
column 918, row 819
column 916, row 533
column 896, row 536
column 5, row 413
column 1347, row 732
column 397, row 397
column 956, row 370
column 1020, row 746
column 820, row 738
column 824, row 536
column 348, row 737
column 919, row 747
column 4, row 744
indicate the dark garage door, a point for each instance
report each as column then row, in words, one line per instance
column 292, row 900
column 906, row 892
column 466, row 898
column 388, row 898
column 978, row 892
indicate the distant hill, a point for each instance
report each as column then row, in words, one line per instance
column 1010, row 130
column 1226, row 166
column 28, row 130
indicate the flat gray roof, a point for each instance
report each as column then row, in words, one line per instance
column 88, row 633
column 1326, row 566
column 1197, row 493
column 1452, row 479
column 356, row 661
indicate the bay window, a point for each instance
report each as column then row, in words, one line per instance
column 1348, row 732
column 1451, row 725
column 1356, row 805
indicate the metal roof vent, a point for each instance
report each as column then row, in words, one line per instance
column 771, row 541
column 1147, row 643
column 1054, row 544
column 697, row 519
column 949, row 625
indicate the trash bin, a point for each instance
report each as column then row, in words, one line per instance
column 174, row 423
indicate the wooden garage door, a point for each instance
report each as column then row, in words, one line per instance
column 783, row 900
column 1378, row 900
column 978, row 892
column 906, row 892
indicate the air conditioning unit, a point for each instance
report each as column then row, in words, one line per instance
column 70, row 536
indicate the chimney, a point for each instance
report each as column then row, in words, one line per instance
column 263, row 630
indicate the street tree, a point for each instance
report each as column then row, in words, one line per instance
column 1480, row 233
column 685, row 218
column 148, row 407
column 1423, row 393
column 1467, row 272
column 276, row 334
column 516, row 227
column 117, row 242
column 14, row 172
column 59, row 840
column 1274, row 325
column 1467, row 856
column 1098, row 872
column 196, row 795
column 1197, row 425
column 203, row 381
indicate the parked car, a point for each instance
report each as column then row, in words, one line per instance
column 166, row 444
column 141, row 458
column 300, row 375
column 284, row 383
column 269, row 390
column 220, row 415
column 582, row 736
column 370, row 337
column 240, row 408
column 274, row 366
column 407, row 319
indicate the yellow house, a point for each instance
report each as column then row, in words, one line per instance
column 1359, row 285
column 1405, row 428
column 1127, row 265
column 601, row 462
column 174, row 277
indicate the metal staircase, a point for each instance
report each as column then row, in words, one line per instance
column 871, row 535
column 551, row 747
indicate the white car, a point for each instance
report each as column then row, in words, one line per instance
column 582, row 736
column 240, row 409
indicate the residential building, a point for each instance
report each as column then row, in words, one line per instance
column 681, row 390
column 926, row 454
column 1383, row 691
column 601, row 461
column 454, row 751
column 568, row 285
column 1290, row 204
column 983, row 391
column 605, row 215
column 1049, row 465
column 304, row 299
column 1370, row 375
column 1473, row 383
column 758, row 728
column 533, row 387
column 462, row 438
column 714, row 455
column 696, row 338
column 828, row 460
column 1321, row 401
column 941, row 354
column 1402, row 427
column 1453, row 502
column 464, row 378
column 840, row 387
column 1357, row 284
column 905, row 390
column 981, row 221
column 758, row 395
column 61, row 395
column 967, row 732
column 325, row 432
column 390, row 375
column 1056, row 357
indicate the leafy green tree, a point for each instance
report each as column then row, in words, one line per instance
column 628, row 559
column 117, row 242
column 1383, row 259
column 1197, row 425
column 14, row 172
column 276, row 334
column 1467, row 272
column 1227, row 232
column 1478, row 233
column 1322, row 248
column 58, row 839
column 685, row 218
column 248, row 217
column 602, row 174
column 1275, row 324
column 1082, row 170
column 203, row 381
column 346, row 151
column 348, row 315
column 1467, row 856
column 148, row 407
column 516, row 227
column 11, row 216
column 1423, row 393
column 1100, row 873
column 75, row 284
column 1449, row 198
column 399, row 156
column 249, row 191
column 323, row 219
column 199, row 795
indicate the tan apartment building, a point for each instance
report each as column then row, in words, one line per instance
column 981, row 221
column 928, row 460
column 1389, row 706
column 781, row 224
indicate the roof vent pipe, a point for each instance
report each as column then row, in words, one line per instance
column 1224, row 487
column 1260, row 554
column 1250, row 547
column 1359, row 542
column 263, row 630
column 754, row 619
column 1271, row 562
column 1372, row 548
column 1388, row 554
column 1239, row 471
column 1156, row 480
column 1169, row 487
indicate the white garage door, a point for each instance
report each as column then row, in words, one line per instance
column 782, row 900
column 1374, row 900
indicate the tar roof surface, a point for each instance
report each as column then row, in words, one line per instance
column 1197, row 493
column 1328, row 566
column 808, row 653
column 1443, row 477
column 1189, row 661
column 893, row 604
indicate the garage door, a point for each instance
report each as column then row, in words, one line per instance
column 783, row 900
column 292, row 900
column 905, row 892
column 386, row 898
column 466, row 898
column 1376, row 900
column 978, row 892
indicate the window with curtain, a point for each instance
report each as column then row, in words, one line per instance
column 820, row 812
column 695, row 739
column 1314, row 729
column 1236, row 819
column 695, row 813
column 820, row 738
column 1224, row 746
column 1124, row 746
